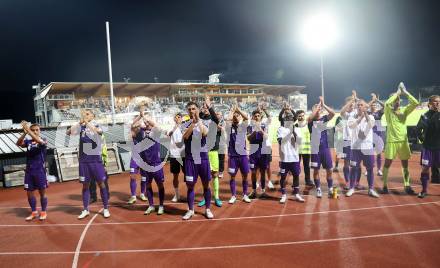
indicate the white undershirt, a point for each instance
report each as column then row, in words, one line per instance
column 367, row 128
column 288, row 150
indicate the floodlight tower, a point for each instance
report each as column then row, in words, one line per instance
column 319, row 33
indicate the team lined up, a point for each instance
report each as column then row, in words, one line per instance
column 198, row 147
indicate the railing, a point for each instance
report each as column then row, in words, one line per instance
column 193, row 81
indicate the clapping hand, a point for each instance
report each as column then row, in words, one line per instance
column 196, row 118
column 25, row 126
column 354, row 94
column 403, row 88
column 321, row 102
column 141, row 110
column 207, row 102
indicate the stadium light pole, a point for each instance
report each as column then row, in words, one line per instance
column 319, row 33
column 109, row 55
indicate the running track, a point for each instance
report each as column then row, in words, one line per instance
column 395, row 230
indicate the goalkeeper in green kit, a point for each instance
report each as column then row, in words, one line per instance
column 397, row 138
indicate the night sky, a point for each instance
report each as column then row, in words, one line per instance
column 249, row 41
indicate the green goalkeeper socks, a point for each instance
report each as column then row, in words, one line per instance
column 215, row 185
column 406, row 178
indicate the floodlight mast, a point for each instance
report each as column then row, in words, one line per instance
column 322, row 76
column 109, row 55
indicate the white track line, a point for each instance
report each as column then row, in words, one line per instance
column 125, row 205
column 225, row 219
column 81, row 239
column 301, row 242
column 263, row 244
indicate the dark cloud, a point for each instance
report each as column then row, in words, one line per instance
column 250, row 41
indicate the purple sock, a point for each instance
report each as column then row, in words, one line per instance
column 207, row 195
column 424, row 177
column 86, row 198
column 379, row 161
column 161, row 195
column 150, row 196
column 104, row 196
column 244, row 184
column 190, row 197
column 353, row 174
column 370, row 178
column 317, row 183
column 133, row 186
column 232, row 186
column 43, row 201
column 33, row 203
column 346, row 174
column 295, row 190
column 358, row 175
column 143, row 187
column 329, row 182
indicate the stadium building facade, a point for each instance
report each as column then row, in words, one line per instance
column 60, row 102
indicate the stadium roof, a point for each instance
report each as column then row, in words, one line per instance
column 82, row 89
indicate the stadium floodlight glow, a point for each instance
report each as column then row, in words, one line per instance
column 319, row 32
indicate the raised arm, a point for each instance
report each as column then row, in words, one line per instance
column 331, row 112
column 268, row 116
column 280, row 116
column 156, row 131
column 389, row 103
column 196, row 121
column 76, row 128
column 20, row 141
column 189, row 131
column 315, row 113
column 34, row 137
column 381, row 103
column 353, row 100
column 373, row 99
column 136, row 121
column 243, row 115
column 413, row 102
column 231, row 114
column 210, row 107
column 135, row 125
column 345, row 108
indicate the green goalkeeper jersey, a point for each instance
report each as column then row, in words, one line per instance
column 396, row 120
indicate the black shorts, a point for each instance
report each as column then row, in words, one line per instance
column 175, row 166
column 269, row 158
